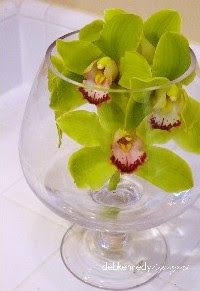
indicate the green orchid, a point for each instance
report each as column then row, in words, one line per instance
column 102, row 72
column 111, row 149
column 147, row 61
column 97, row 53
column 87, row 61
column 173, row 115
column 94, row 64
column 159, row 23
column 154, row 27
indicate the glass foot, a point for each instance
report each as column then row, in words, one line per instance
column 116, row 261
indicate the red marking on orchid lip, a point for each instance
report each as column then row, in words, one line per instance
column 163, row 126
column 95, row 99
column 128, row 168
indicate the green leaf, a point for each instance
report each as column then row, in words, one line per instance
column 152, row 136
column 121, row 99
column 172, row 56
column 111, row 12
column 91, row 31
column 188, row 139
column 114, row 180
column 133, row 65
column 135, row 113
column 77, row 55
column 64, row 95
column 189, row 79
column 140, row 84
column 120, row 34
column 58, row 63
column 53, row 80
column 59, row 131
column 159, row 23
column 191, row 112
column 166, row 170
column 147, row 50
column 90, row 167
column 110, row 212
column 82, row 126
column 111, row 116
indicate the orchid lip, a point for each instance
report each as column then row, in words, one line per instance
column 126, row 167
column 163, row 125
column 127, row 153
column 97, row 74
column 166, row 120
column 93, row 96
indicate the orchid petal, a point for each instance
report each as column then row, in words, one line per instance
column 166, row 170
column 172, row 56
column 120, row 34
column 77, row 55
column 90, row 167
column 91, row 31
column 159, row 23
column 82, row 126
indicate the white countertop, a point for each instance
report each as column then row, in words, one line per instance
column 30, row 233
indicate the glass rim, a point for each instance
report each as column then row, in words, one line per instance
column 186, row 74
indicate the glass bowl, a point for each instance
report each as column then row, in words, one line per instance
column 102, row 248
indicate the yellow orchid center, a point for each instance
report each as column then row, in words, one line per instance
column 125, row 143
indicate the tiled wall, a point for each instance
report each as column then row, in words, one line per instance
column 189, row 9
column 10, row 62
column 27, row 28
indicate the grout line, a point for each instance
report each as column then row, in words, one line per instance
column 43, row 21
column 2, row 193
column 34, row 211
column 196, row 208
column 36, row 269
column 174, row 285
column 3, row 20
column 173, row 276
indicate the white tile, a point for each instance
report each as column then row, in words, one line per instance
column 34, row 8
column 196, row 48
column 10, row 61
column 12, row 105
column 70, row 18
column 190, row 279
column 23, row 195
column 155, row 285
column 27, row 241
column 53, row 276
column 10, row 169
column 7, row 9
column 197, row 203
column 32, row 46
column 53, row 32
column 182, row 235
column 172, row 287
column 11, row 112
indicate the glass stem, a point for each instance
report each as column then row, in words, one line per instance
column 112, row 242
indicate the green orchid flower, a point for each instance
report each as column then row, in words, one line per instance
column 121, row 51
column 174, row 115
column 159, row 23
column 167, row 108
column 102, row 72
column 111, row 151
column 96, row 54
column 154, row 27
